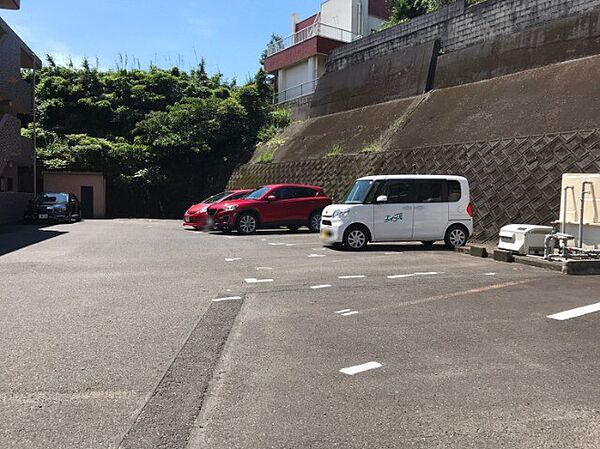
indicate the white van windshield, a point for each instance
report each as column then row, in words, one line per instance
column 359, row 192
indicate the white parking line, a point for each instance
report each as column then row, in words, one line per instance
column 257, row 281
column 490, row 274
column 277, row 244
column 354, row 276
column 574, row 313
column 264, row 268
column 316, row 255
column 351, row 371
column 427, row 273
column 228, row 298
column 400, row 276
column 233, row 259
column 391, row 254
column 317, row 287
column 343, row 311
column 354, row 312
column 290, row 244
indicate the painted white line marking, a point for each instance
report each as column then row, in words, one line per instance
column 263, row 240
column 290, row 244
column 350, row 313
column 391, row 254
column 317, row 287
column 574, row 313
column 427, row 273
column 228, row 298
column 354, row 276
column 277, row 244
column 351, row 371
column 343, row 311
column 264, row 268
column 316, row 255
column 233, row 259
column 490, row 274
column 400, row 276
column 257, row 281
column 318, row 249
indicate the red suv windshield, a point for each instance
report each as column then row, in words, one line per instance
column 257, row 194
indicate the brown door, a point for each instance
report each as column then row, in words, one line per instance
column 87, row 201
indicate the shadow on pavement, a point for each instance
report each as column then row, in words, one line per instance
column 15, row 237
column 396, row 248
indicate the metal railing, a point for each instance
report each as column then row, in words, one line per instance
column 293, row 93
column 317, row 29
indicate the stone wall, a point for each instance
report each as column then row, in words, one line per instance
column 513, row 180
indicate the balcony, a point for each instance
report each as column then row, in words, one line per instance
column 315, row 30
column 10, row 4
column 296, row 92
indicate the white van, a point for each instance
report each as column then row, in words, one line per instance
column 424, row 208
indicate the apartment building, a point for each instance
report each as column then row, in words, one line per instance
column 298, row 61
column 17, row 161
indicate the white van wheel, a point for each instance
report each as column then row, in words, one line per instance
column 356, row 238
column 456, row 237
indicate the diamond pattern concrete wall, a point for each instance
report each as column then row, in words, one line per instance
column 512, row 180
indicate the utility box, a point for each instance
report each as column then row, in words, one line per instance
column 524, row 239
column 576, row 186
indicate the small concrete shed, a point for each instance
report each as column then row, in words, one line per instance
column 89, row 187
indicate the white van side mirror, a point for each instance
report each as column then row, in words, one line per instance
column 382, row 199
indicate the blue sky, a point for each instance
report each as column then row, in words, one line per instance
column 230, row 34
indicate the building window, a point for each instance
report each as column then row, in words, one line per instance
column 9, row 185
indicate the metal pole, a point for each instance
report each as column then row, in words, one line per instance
column 583, row 192
column 34, row 132
column 563, row 225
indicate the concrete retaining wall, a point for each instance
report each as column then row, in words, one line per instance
column 377, row 80
column 458, row 26
column 493, row 38
column 514, row 180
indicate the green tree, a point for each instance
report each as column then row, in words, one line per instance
column 164, row 137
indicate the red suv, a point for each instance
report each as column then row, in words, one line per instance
column 290, row 205
column 196, row 215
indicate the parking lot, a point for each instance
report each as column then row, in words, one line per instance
column 131, row 333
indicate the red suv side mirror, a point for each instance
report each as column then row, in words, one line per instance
column 271, row 198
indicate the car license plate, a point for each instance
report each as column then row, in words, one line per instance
column 43, row 216
column 325, row 234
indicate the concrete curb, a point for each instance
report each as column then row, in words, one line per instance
column 569, row 267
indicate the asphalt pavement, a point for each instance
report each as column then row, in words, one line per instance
column 137, row 333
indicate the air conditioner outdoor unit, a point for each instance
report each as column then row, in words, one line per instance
column 524, row 239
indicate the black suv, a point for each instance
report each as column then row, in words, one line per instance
column 63, row 207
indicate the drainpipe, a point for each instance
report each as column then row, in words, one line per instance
column 583, row 193
column 34, row 132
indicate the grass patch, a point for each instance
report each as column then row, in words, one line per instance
column 335, row 151
column 373, row 147
column 266, row 157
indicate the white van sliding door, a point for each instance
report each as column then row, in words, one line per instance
column 431, row 210
column 393, row 220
